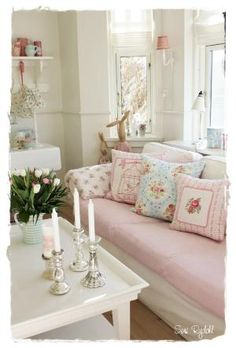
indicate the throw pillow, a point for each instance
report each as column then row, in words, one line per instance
column 125, row 176
column 91, row 181
column 127, row 170
column 201, row 206
column 157, row 191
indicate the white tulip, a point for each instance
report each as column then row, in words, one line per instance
column 36, row 188
column 46, row 171
column 22, row 172
column 56, row 182
column 38, row 173
column 14, row 172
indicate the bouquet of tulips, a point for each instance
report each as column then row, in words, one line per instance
column 35, row 192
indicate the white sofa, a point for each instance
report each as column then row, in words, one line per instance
column 186, row 314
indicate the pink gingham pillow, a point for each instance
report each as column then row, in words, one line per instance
column 201, row 206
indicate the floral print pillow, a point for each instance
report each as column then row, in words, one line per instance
column 91, row 181
column 157, row 190
column 201, row 206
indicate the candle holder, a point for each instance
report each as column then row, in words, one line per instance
column 60, row 286
column 79, row 238
column 49, row 267
column 93, row 278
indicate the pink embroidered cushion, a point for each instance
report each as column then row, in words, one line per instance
column 91, row 181
column 125, row 176
column 201, row 206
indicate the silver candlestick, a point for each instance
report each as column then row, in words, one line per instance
column 79, row 238
column 93, row 278
column 60, row 286
column 49, row 269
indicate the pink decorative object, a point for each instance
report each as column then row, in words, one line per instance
column 39, row 45
column 123, row 146
column 16, row 49
column 162, row 42
column 23, row 43
column 201, row 206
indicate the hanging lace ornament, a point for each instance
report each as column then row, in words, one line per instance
column 26, row 100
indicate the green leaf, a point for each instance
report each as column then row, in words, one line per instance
column 23, row 216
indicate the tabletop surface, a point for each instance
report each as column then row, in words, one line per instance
column 30, row 294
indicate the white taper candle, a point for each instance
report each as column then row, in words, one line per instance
column 76, row 209
column 91, row 221
column 56, row 235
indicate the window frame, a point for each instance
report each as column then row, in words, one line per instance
column 208, row 77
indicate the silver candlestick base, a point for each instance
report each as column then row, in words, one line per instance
column 93, row 278
column 49, row 268
column 60, row 286
column 79, row 238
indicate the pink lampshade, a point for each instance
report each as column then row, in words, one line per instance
column 162, row 42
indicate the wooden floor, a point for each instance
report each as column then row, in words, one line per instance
column 145, row 325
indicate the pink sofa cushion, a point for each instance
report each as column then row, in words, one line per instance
column 201, row 207
column 170, row 153
column 191, row 263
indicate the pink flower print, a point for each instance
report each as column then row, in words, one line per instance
column 146, row 168
column 169, row 212
column 46, row 181
column 91, row 176
column 102, row 178
column 181, row 170
column 139, row 207
column 193, row 206
column 157, row 190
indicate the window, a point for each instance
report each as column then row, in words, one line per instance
column 215, row 85
column 133, row 88
column 131, row 40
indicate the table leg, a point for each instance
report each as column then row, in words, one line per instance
column 121, row 321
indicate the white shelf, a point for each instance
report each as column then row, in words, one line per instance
column 32, row 58
column 35, row 60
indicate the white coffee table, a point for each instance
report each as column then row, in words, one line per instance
column 35, row 310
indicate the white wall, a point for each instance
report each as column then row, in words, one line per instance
column 93, row 80
column 172, row 82
column 70, row 88
column 43, row 25
column 175, row 89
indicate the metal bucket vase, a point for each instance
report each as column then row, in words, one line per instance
column 32, row 230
